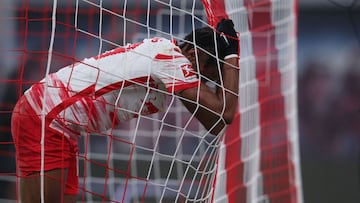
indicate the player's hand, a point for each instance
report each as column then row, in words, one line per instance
column 228, row 35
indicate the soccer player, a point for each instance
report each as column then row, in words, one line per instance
column 118, row 85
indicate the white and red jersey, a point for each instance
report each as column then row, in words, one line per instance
column 115, row 86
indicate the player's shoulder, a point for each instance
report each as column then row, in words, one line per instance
column 160, row 45
column 160, row 41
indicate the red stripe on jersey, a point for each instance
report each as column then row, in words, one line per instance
column 178, row 87
column 109, row 53
column 68, row 102
column 37, row 90
column 167, row 57
column 90, row 91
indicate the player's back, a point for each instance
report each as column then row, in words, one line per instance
column 86, row 94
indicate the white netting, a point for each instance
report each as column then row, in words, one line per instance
column 169, row 157
column 267, row 143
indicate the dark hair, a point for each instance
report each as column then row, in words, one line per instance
column 204, row 38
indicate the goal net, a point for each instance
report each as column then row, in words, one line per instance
column 169, row 156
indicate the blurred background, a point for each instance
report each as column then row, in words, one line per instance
column 329, row 99
column 328, row 96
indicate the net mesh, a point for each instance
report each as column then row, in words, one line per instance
column 167, row 157
column 264, row 157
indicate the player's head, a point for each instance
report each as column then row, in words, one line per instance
column 206, row 51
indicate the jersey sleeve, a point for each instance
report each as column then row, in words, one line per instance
column 174, row 69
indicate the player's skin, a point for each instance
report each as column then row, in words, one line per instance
column 220, row 103
column 216, row 101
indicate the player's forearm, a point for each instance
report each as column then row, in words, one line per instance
column 224, row 101
column 219, row 108
column 229, row 100
column 230, row 72
column 220, row 105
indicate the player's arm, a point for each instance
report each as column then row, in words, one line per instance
column 222, row 103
